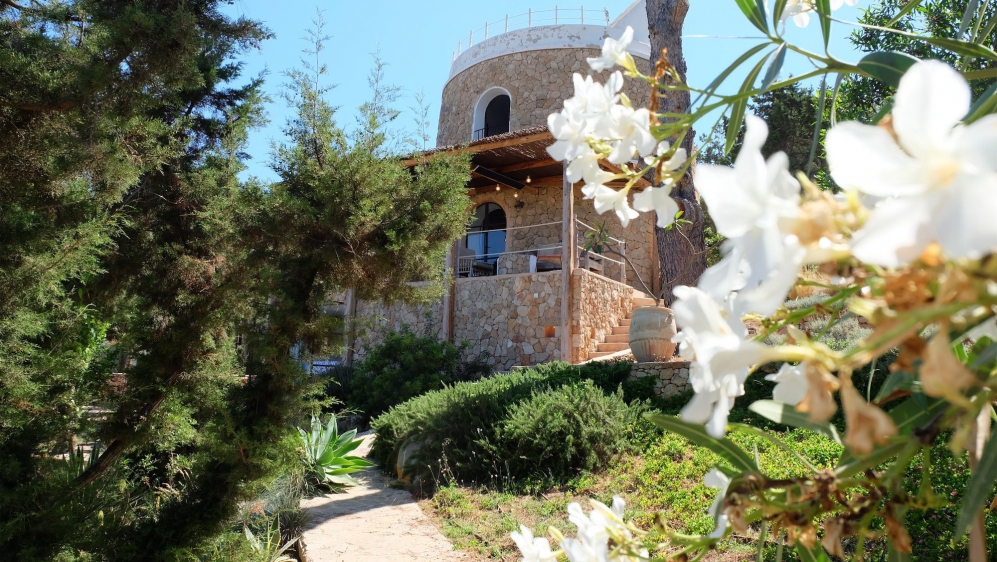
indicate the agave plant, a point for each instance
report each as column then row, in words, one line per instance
column 326, row 453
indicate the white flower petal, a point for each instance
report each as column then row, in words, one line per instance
column 791, row 384
column 659, row 200
column 866, row 158
column 976, row 144
column 966, row 221
column 897, row 231
column 931, row 99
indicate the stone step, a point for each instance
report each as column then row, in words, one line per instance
column 643, row 301
column 625, row 322
column 621, row 330
column 618, row 338
column 612, row 347
column 597, row 354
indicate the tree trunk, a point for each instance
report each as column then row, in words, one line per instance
column 681, row 250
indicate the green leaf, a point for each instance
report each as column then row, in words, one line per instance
column 981, row 483
column 787, row 415
column 897, row 380
column 739, row 106
column 964, row 48
column 910, row 5
column 815, row 554
column 823, row 8
column 984, row 105
column 780, row 7
column 774, row 67
column 816, row 137
column 887, row 66
column 754, row 10
column 986, row 356
column 733, row 66
column 696, row 433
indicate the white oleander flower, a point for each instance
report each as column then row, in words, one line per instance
column 720, row 481
column 755, row 205
column 594, row 532
column 633, row 129
column 614, row 51
column 609, row 199
column 673, row 163
column 659, row 200
column 791, row 384
column 937, row 178
column 533, row 549
column 799, row 10
column 715, row 341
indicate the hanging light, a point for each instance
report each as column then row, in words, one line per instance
column 516, row 195
column 527, row 179
column 498, row 187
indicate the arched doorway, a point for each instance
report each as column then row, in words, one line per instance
column 492, row 113
column 486, row 235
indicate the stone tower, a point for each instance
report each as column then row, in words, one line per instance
column 521, row 69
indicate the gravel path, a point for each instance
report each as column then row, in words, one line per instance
column 373, row 522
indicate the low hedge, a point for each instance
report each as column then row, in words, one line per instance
column 489, row 428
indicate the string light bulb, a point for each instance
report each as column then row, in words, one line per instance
column 527, row 179
column 498, row 187
column 516, row 195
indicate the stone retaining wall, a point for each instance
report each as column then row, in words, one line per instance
column 673, row 376
column 374, row 318
column 598, row 305
column 515, row 318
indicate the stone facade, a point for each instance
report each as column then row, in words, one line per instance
column 673, row 376
column 537, row 81
column 542, row 206
column 598, row 305
column 375, row 318
column 513, row 318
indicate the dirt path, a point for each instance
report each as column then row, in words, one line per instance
column 373, row 522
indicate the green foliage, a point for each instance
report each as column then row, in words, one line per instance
column 567, row 429
column 861, row 98
column 467, row 424
column 405, row 365
column 326, row 453
column 128, row 235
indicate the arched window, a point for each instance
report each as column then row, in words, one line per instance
column 486, row 235
column 491, row 113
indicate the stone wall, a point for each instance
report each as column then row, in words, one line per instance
column 672, row 376
column 375, row 318
column 537, row 81
column 598, row 305
column 542, row 205
column 515, row 318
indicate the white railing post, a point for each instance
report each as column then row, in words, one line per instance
column 486, row 30
column 507, row 23
column 530, row 18
column 470, row 38
column 583, row 15
column 607, row 16
column 460, row 46
column 555, row 15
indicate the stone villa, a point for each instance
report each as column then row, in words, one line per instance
column 524, row 290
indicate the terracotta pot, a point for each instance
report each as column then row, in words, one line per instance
column 651, row 331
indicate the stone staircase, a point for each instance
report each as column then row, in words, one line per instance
column 619, row 340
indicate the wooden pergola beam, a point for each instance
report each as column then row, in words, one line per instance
column 527, row 165
column 476, row 148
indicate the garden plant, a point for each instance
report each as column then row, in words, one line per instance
column 904, row 237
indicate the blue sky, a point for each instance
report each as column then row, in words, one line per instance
column 417, row 40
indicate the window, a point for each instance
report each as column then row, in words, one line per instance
column 486, row 235
column 492, row 114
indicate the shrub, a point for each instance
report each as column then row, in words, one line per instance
column 405, row 365
column 469, row 424
column 567, row 429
